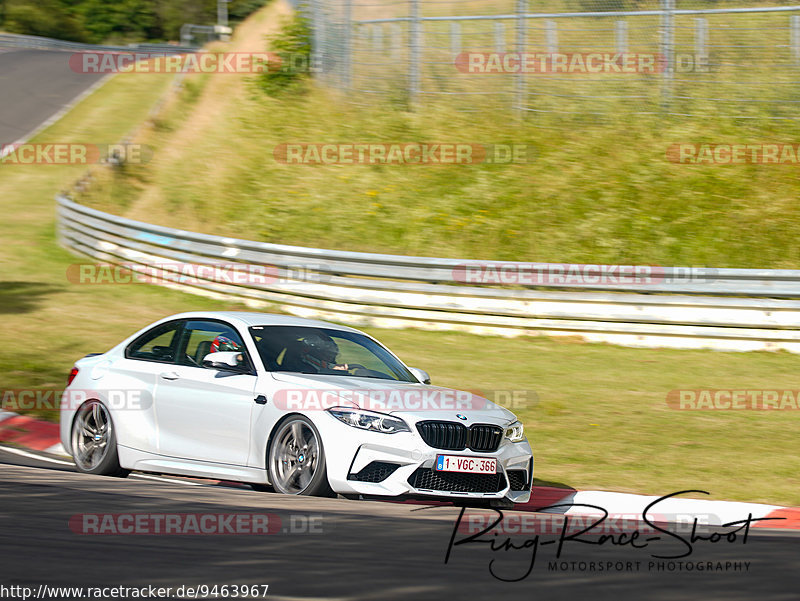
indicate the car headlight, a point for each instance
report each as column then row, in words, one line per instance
column 369, row 420
column 515, row 432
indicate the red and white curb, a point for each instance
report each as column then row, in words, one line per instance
column 678, row 508
column 30, row 433
column 39, row 435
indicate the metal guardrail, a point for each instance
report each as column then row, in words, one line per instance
column 728, row 309
column 12, row 40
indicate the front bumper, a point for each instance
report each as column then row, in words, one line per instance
column 352, row 456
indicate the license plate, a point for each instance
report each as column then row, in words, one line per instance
column 468, row 465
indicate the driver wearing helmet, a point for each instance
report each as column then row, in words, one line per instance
column 319, row 352
column 223, row 344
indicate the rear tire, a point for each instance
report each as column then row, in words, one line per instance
column 94, row 441
column 296, row 460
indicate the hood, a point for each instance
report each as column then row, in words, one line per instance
column 414, row 401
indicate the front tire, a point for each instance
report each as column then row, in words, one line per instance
column 94, row 441
column 297, row 459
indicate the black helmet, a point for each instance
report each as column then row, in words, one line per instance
column 321, row 347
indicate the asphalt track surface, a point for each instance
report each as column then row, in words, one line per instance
column 35, row 85
column 363, row 549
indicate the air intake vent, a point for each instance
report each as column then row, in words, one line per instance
column 377, row 471
column 427, row 479
column 518, row 480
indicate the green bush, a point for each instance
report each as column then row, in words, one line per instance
column 292, row 45
column 44, row 19
column 120, row 21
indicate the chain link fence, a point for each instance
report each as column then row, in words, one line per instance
column 587, row 57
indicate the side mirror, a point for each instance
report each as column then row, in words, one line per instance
column 226, row 361
column 420, row 374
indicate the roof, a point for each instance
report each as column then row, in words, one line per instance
column 262, row 319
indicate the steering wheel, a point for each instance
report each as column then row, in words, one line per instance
column 357, row 369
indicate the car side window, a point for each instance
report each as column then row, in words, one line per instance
column 159, row 344
column 202, row 337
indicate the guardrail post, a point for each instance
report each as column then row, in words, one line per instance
column 222, row 12
column 551, row 37
column 318, row 40
column 414, row 53
column 347, row 49
column 700, row 40
column 621, row 36
column 499, row 36
column 667, row 48
column 455, row 38
column 186, row 34
column 520, row 91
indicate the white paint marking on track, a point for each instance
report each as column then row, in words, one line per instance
column 34, row 456
column 22, row 453
column 6, row 414
column 707, row 511
column 57, row 449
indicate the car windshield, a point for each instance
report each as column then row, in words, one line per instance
column 307, row 350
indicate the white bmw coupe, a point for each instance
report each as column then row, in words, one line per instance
column 299, row 406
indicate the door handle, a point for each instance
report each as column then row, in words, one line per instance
column 170, row 375
column 261, row 399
